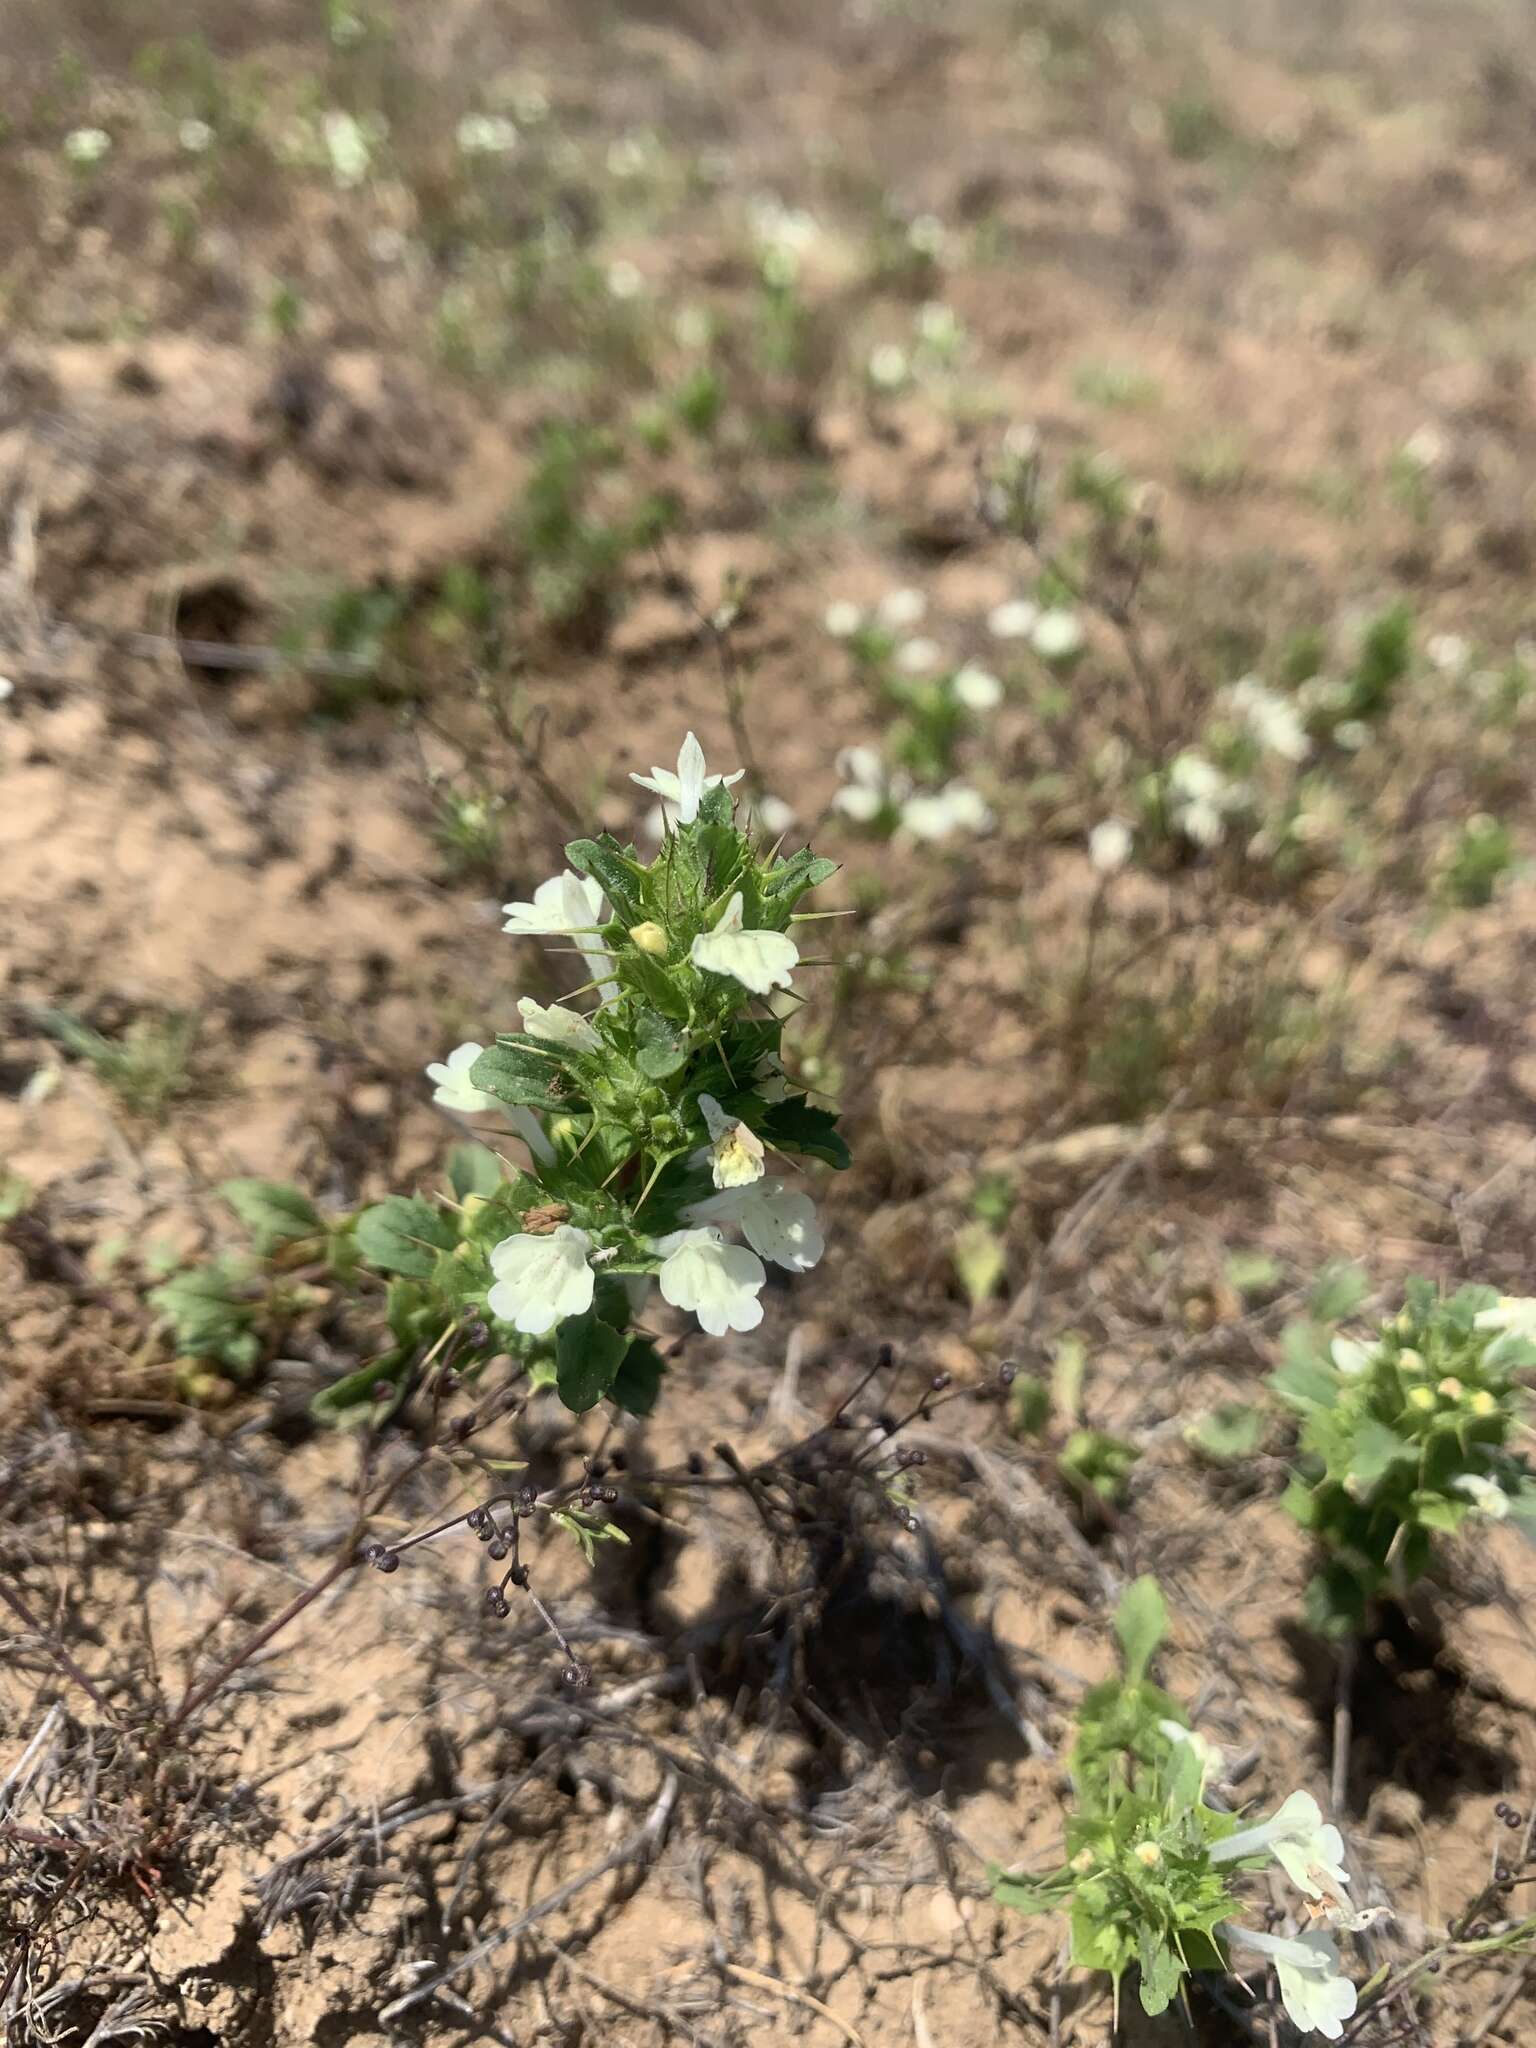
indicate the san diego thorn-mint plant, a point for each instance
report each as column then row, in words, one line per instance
column 649, row 1120
column 1404, row 1437
column 1147, row 1877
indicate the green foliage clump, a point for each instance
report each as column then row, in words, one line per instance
column 1403, row 1438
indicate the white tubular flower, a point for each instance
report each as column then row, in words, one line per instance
column 1014, row 620
column 867, row 788
column 454, row 1089
column 346, row 144
column 1351, row 1356
column 563, row 907
column 736, row 1152
column 936, row 815
column 1206, row 1750
column 760, row 961
column 530, row 1130
column 87, row 145
column 485, row 135
column 917, row 657
column 568, row 906
column 843, row 619
column 1109, row 846
column 778, row 1222
column 1200, row 792
column 716, row 1281
column 1270, row 718
column 1486, row 1495
column 1308, row 1848
column 888, row 366
column 1448, row 652
column 1514, row 1313
column 686, row 788
column 899, row 609
column 1057, row 636
column 977, row 688
column 557, row 1025
column 541, row 1280
column 1313, row 1990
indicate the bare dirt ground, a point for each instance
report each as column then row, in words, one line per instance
column 235, row 395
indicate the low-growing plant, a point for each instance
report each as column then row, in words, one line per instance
column 1405, row 1435
column 147, row 1067
column 647, row 1122
column 1148, row 1875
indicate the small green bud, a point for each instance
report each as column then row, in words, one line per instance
column 649, row 938
column 1409, row 1361
column 1148, row 1854
column 1483, row 1403
column 1451, row 1387
column 1422, row 1398
column 665, row 1132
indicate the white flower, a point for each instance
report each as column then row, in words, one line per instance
column 899, row 609
column 625, row 280
column 1200, row 793
column 1515, row 1313
column 1425, row 447
column 735, row 1151
column 530, row 1130
column 454, row 1089
column 1109, row 845
column 1351, row 1356
column 935, row 815
column 1057, row 636
column 686, row 788
column 1448, row 652
column 926, row 234
column 1014, row 620
column 194, row 136
column 1352, row 734
column 939, row 327
column 557, row 1025
column 562, row 907
column 718, row 1282
column 1206, row 1750
column 977, row 688
column 486, row 135
column 759, row 960
column 1270, row 718
column 541, row 1280
column 916, row 657
column 867, row 788
column 772, row 814
column 888, row 367
column 7, row 689
column 1308, row 1848
column 347, row 147
column 843, row 619
column 1316, row 1995
column 1486, row 1495
column 87, row 145
column 778, row 1222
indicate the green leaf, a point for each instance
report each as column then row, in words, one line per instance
column 1160, row 1973
column 649, row 978
column 795, row 877
column 273, row 1212
column 1338, row 1291
column 639, row 1378
column 403, row 1234
column 1141, row 1622
column 1376, row 1450
column 1304, row 1380
column 715, row 806
column 473, row 1170
column 794, row 1126
column 623, row 879
column 663, row 1048
column 588, row 1354
column 353, row 1398
column 513, row 1072
column 15, row 1194
column 1228, row 1434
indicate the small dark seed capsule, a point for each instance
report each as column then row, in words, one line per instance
column 497, row 1548
column 527, row 1500
column 477, row 1333
column 885, row 1423
column 842, row 1421
column 620, row 1461
column 1433, row 1967
column 1514, row 1818
column 518, row 1575
column 1008, row 1374
column 695, row 1463
column 597, row 1468
column 486, row 1530
column 884, row 1356
column 911, row 1524
column 915, row 1457
column 608, row 1495
column 1477, row 1931
column 475, row 1519
column 388, row 1562
column 940, row 1381
column 462, row 1429
column 577, row 1675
